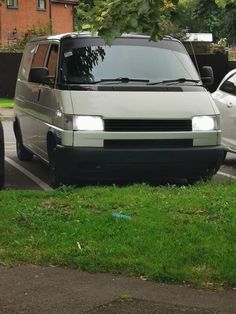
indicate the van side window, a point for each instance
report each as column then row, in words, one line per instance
column 26, row 62
column 52, row 61
column 40, row 56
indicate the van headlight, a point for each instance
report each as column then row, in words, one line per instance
column 205, row 123
column 88, row 123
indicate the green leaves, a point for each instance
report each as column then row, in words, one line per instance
column 224, row 3
column 111, row 18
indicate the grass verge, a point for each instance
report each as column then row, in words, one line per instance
column 6, row 103
column 175, row 234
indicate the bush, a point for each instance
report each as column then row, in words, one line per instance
column 35, row 31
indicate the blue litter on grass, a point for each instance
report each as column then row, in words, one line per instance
column 119, row 215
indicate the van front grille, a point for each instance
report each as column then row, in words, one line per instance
column 144, row 144
column 128, row 125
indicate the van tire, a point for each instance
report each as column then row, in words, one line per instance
column 194, row 180
column 55, row 178
column 2, row 157
column 22, row 153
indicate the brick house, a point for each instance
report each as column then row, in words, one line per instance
column 18, row 16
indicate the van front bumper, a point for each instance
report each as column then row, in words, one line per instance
column 137, row 164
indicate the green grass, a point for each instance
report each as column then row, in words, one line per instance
column 6, row 103
column 176, row 234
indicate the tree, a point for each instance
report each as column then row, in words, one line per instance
column 215, row 16
column 201, row 16
column 229, row 22
column 224, row 3
column 111, row 18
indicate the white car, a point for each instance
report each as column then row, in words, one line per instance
column 225, row 99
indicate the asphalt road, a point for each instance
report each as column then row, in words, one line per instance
column 30, row 289
column 34, row 175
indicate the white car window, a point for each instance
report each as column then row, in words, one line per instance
column 229, row 85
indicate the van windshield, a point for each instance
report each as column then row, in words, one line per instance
column 138, row 62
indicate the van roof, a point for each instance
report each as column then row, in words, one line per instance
column 88, row 34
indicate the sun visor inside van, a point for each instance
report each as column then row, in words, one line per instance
column 68, row 44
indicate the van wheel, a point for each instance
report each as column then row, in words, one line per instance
column 192, row 181
column 2, row 155
column 22, row 153
column 55, row 178
column 197, row 179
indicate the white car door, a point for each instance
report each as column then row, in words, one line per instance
column 41, row 106
column 31, row 117
column 47, row 102
column 225, row 99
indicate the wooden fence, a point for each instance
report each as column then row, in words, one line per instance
column 9, row 65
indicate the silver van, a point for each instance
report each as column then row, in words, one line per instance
column 135, row 110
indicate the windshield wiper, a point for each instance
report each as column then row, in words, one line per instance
column 178, row 80
column 119, row 79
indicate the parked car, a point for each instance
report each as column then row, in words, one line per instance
column 134, row 110
column 2, row 156
column 225, row 99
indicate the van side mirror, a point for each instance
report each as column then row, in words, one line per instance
column 207, row 75
column 40, row 75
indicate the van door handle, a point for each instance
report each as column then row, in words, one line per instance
column 39, row 94
column 229, row 105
